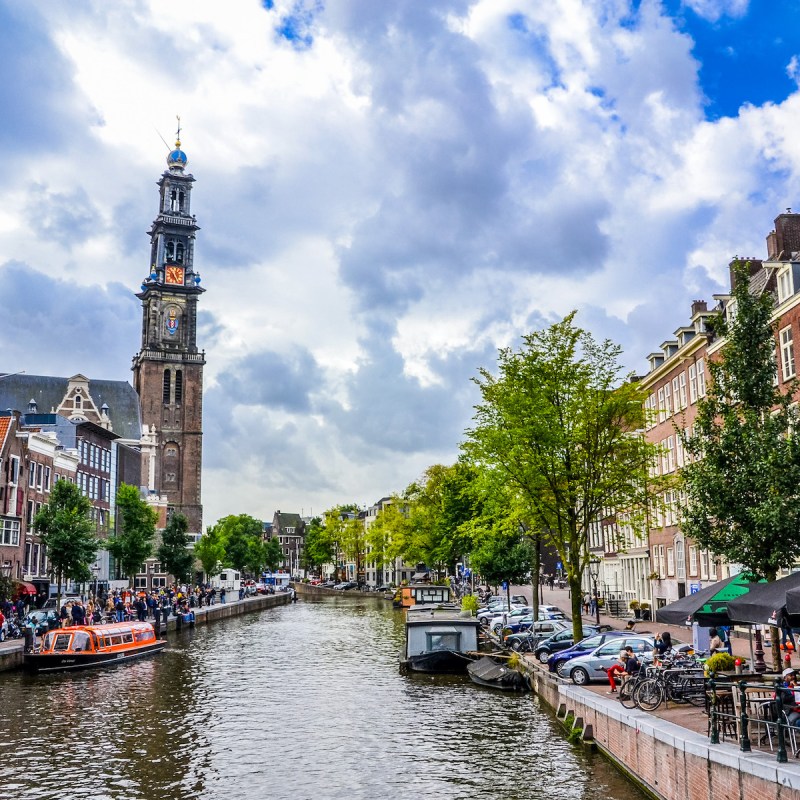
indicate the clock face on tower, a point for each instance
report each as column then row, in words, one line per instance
column 174, row 275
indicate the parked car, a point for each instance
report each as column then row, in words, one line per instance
column 557, row 658
column 486, row 615
column 346, row 585
column 328, row 584
column 560, row 641
column 497, row 622
column 42, row 621
column 551, row 612
column 538, row 631
column 592, row 666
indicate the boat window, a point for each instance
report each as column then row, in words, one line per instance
column 61, row 642
column 48, row 641
column 116, row 640
column 127, row 638
column 81, row 641
column 443, row 641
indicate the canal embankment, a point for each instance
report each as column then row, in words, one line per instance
column 306, row 590
column 12, row 651
column 668, row 761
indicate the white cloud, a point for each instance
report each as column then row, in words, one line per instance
column 713, row 10
column 379, row 210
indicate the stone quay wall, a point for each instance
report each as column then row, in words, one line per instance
column 307, row 590
column 669, row 762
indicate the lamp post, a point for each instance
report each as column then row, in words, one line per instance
column 594, row 572
column 95, row 572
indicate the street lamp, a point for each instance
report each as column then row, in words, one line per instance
column 95, row 572
column 594, row 572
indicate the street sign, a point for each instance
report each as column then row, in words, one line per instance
column 694, row 588
column 559, row 565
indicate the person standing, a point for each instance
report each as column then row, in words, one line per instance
column 715, row 644
column 78, row 613
column 157, row 620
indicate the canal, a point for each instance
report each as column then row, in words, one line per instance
column 302, row 701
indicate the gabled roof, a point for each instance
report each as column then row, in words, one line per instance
column 16, row 391
column 288, row 520
column 5, row 427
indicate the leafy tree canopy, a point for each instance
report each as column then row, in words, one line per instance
column 210, row 550
column 174, row 552
column 743, row 485
column 132, row 543
column 558, row 424
column 66, row 531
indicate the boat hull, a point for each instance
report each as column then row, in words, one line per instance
column 441, row 661
column 63, row 662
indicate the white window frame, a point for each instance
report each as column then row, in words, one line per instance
column 668, row 399
column 682, row 389
column 701, row 377
column 692, row 383
column 693, row 560
column 787, row 353
column 661, row 414
column 679, row 456
column 670, row 561
column 680, row 561
column 785, row 284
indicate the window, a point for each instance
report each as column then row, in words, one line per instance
column 167, row 386
column 785, row 289
column 661, row 413
column 701, row 378
column 9, row 532
column 13, row 474
column 676, row 394
column 670, row 454
column 47, row 479
column 78, row 403
column 159, row 582
column 140, row 582
column 693, row 559
column 670, row 561
column 680, row 561
column 682, row 389
column 679, row 459
column 667, row 399
column 704, row 565
column 693, row 383
column 178, row 385
column 787, row 353
column 775, row 363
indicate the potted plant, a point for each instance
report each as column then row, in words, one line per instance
column 654, row 576
column 645, row 608
column 636, row 608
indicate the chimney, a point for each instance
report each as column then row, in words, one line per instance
column 698, row 306
column 787, row 234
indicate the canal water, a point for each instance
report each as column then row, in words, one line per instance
column 303, row 701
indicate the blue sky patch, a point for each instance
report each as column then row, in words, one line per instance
column 296, row 27
column 744, row 59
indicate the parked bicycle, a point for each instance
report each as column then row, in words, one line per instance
column 680, row 684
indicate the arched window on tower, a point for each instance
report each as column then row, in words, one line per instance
column 167, row 385
column 179, row 253
column 170, row 250
column 181, row 201
column 78, row 401
column 178, row 385
column 173, row 200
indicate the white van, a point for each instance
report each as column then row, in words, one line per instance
column 228, row 579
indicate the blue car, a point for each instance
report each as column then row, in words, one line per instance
column 557, row 661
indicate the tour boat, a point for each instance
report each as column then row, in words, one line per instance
column 87, row 646
column 439, row 639
column 420, row 594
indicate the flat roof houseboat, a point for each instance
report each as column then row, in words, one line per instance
column 420, row 594
column 82, row 647
column 439, row 640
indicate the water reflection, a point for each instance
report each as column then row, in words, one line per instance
column 303, row 701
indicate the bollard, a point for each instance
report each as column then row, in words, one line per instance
column 744, row 738
column 29, row 639
column 714, row 718
column 782, row 757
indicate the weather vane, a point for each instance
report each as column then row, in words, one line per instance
column 178, row 132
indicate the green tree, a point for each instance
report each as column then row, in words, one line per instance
column 386, row 537
column 174, row 552
column 209, row 550
column 242, row 534
column 742, row 486
column 132, row 543
column 342, row 541
column 273, row 554
column 318, row 546
column 503, row 556
column 439, row 508
column 558, row 424
column 66, row 531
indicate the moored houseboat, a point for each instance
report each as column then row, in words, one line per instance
column 417, row 594
column 439, row 639
column 82, row 647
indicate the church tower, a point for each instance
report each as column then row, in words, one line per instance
column 168, row 370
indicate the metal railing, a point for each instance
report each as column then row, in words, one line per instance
column 755, row 707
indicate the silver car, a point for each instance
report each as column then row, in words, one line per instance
column 594, row 665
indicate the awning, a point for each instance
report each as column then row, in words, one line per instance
column 793, row 601
column 764, row 603
column 709, row 606
column 25, row 588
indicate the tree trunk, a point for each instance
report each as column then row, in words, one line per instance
column 775, row 639
column 576, row 598
column 536, row 574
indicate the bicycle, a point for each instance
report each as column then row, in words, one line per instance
column 684, row 684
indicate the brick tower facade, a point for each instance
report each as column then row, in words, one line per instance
column 168, row 370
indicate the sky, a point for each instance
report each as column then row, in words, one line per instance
column 388, row 192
